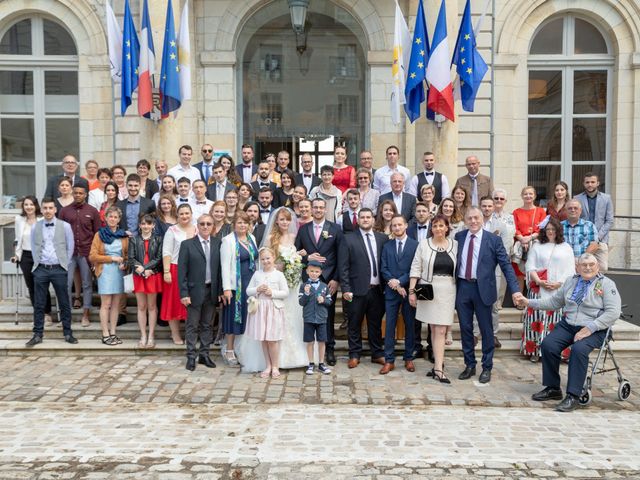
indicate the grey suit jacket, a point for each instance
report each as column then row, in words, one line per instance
column 604, row 214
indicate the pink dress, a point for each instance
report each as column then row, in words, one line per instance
column 268, row 321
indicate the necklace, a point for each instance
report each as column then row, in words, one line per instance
column 438, row 247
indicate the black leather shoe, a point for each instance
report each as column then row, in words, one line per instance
column 467, row 373
column 330, row 357
column 36, row 339
column 549, row 393
column 122, row 319
column 206, row 361
column 70, row 339
column 485, row 376
column 569, row 404
column 191, row 364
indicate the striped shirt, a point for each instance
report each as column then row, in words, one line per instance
column 580, row 235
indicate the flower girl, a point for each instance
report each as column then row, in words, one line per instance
column 268, row 288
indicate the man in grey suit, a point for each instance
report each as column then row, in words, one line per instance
column 199, row 281
column 597, row 207
column 405, row 202
column 69, row 169
column 221, row 185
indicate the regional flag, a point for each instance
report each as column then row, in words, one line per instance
column 114, row 39
column 401, row 54
column 130, row 59
column 414, row 89
column 147, row 65
column 439, row 69
column 169, row 73
column 470, row 65
column 184, row 54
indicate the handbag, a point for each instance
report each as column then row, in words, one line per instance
column 128, row 283
column 424, row 291
column 252, row 304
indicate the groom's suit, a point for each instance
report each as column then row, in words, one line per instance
column 329, row 242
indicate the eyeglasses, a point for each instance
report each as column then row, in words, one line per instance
column 205, row 224
column 502, row 199
column 69, row 163
column 204, row 150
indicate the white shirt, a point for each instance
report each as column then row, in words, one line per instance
column 191, row 172
column 307, row 181
column 382, row 178
column 404, row 243
column 397, row 199
column 221, row 188
column 476, row 254
column 199, row 208
column 246, row 172
column 372, row 261
column 412, row 188
column 421, row 233
column 265, row 213
column 350, row 213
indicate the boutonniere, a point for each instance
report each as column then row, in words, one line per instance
column 598, row 288
column 325, row 234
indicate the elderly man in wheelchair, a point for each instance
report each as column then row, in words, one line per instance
column 591, row 305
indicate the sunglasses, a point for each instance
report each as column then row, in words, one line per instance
column 205, row 224
column 499, row 198
column 204, row 150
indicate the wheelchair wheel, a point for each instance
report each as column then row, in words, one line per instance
column 585, row 398
column 624, row 390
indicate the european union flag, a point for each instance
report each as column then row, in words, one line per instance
column 170, row 71
column 130, row 59
column 414, row 89
column 469, row 64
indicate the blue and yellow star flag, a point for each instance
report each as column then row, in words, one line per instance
column 130, row 59
column 170, row 71
column 469, row 64
column 414, row 88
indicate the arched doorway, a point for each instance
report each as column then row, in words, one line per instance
column 302, row 93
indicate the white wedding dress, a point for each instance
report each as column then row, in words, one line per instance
column 293, row 351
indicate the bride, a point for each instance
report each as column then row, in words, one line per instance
column 280, row 235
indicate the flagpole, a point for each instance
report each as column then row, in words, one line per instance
column 113, row 119
column 493, row 78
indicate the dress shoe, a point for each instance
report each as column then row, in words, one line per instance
column 485, row 376
column 409, row 366
column 496, row 342
column 36, row 339
column 70, row 339
column 475, row 340
column 549, row 393
column 569, row 404
column 467, row 373
column 353, row 362
column 122, row 319
column 379, row 360
column 191, row 364
column 330, row 357
column 206, row 361
column 386, row 368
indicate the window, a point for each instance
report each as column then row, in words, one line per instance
column 39, row 105
column 570, row 68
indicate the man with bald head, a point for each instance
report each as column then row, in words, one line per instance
column 70, row 166
column 474, row 182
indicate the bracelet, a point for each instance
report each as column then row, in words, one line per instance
column 412, row 290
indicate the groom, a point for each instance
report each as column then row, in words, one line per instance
column 321, row 240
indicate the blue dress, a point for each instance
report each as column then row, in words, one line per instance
column 110, row 281
column 229, row 311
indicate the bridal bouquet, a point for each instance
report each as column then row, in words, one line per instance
column 292, row 270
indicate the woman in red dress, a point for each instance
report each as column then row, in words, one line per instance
column 526, row 220
column 344, row 176
column 558, row 202
column 145, row 261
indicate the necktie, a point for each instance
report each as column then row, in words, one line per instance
column 467, row 270
column 207, row 255
column 579, row 292
column 474, row 192
column 207, row 172
column 374, row 267
column 399, row 249
column 318, row 229
column 355, row 219
column 48, row 224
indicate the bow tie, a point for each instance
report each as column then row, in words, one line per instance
column 265, row 211
column 307, row 176
column 244, row 165
column 420, row 227
column 428, row 174
column 201, row 203
column 184, row 199
column 263, row 184
column 49, row 224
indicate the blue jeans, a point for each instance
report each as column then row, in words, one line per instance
column 392, row 308
column 42, row 277
column 555, row 343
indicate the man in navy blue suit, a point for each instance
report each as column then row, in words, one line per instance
column 397, row 256
column 479, row 252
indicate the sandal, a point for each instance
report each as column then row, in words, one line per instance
column 275, row 373
column 441, row 378
column 77, row 302
column 108, row 340
column 151, row 343
column 231, row 359
column 177, row 342
column 265, row 374
column 142, row 343
column 116, row 339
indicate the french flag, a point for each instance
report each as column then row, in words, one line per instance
column 147, row 65
column 439, row 70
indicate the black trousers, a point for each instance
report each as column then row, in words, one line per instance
column 370, row 305
column 26, row 265
column 57, row 276
column 199, row 326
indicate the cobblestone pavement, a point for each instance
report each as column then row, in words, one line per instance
column 147, row 418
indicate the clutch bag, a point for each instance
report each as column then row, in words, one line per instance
column 424, row 291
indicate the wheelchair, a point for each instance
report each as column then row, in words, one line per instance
column 600, row 368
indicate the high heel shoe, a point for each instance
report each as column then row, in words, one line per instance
column 441, row 378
